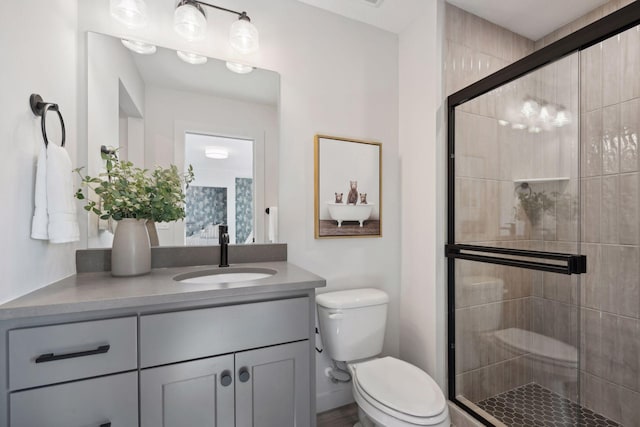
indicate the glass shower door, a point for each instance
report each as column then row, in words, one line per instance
column 513, row 260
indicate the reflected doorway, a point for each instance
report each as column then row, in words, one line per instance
column 223, row 189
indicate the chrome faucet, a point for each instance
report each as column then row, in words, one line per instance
column 223, row 239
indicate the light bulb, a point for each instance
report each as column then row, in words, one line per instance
column 139, row 47
column 236, row 67
column 243, row 36
column 216, row 152
column 192, row 58
column 131, row 13
column 189, row 21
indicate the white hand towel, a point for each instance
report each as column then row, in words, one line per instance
column 40, row 219
column 61, row 206
column 273, row 224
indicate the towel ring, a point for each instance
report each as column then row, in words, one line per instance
column 40, row 108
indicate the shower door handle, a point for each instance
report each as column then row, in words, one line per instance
column 565, row 263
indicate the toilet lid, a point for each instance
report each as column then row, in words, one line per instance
column 401, row 386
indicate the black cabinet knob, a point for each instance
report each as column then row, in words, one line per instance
column 225, row 378
column 244, row 375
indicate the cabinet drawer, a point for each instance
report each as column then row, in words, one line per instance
column 184, row 335
column 52, row 354
column 107, row 401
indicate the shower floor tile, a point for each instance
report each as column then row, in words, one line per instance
column 532, row 405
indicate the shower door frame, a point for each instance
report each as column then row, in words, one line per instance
column 609, row 26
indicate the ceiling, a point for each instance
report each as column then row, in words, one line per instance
column 240, row 158
column 533, row 19
column 165, row 69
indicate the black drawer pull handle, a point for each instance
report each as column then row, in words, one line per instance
column 50, row 357
column 105, row 425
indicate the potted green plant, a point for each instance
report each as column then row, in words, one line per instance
column 167, row 197
column 132, row 196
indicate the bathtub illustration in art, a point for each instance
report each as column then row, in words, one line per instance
column 340, row 212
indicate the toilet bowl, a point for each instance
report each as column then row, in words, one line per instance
column 389, row 392
column 393, row 393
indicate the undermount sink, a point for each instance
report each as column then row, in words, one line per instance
column 224, row 275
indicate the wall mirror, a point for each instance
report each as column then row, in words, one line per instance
column 162, row 107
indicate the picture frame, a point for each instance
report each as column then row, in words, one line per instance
column 348, row 187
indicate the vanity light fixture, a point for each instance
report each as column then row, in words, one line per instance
column 130, row 13
column 190, row 22
column 239, row 68
column 216, row 152
column 192, row 58
column 139, row 47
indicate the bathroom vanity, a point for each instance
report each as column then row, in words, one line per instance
column 94, row 350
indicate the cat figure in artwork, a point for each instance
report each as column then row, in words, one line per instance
column 363, row 198
column 339, row 197
column 352, row 197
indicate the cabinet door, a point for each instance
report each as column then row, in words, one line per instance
column 272, row 386
column 193, row 394
column 107, row 401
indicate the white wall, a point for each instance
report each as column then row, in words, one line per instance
column 112, row 74
column 338, row 77
column 423, row 180
column 39, row 49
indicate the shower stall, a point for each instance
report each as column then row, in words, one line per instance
column 544, row 234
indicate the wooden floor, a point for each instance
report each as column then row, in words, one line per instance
column 345, row 416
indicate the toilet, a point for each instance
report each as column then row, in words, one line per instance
column 389, row 392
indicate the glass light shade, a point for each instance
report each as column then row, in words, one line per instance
column 139, row 47
column 562, row 118
column 530, row 108
column 189, row 22
column 236, row 67
column 216, row 152
column 192, row 58
column 131, row 13
column 244, row 37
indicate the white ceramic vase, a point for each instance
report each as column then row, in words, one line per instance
column 131, row 250
column 153, row 233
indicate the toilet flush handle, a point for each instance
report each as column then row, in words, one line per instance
column 337, row 315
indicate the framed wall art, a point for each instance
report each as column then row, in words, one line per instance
column 348, row 187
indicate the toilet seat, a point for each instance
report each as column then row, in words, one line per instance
column 396, row 393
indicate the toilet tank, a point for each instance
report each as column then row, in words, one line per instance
column 352, row 323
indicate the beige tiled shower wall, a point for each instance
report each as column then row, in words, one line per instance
column 487, row 163
column 610, row 338
column 489, row 297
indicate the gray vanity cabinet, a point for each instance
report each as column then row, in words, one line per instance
column 110, row 401
column 272, row 386
column 197, row 393
column 239, row 363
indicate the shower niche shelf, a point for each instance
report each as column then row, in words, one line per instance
column 540, row 180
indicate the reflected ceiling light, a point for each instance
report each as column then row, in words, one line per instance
column 530, row 108
column 190, row 20
column 131, row 13
column 192, row 58
column 244, row 36
column 216, row 152
column 139, row 47
column 518, row 126
column 236, row 67
column 503, row 123
column 562, row 118
column 534, row 129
